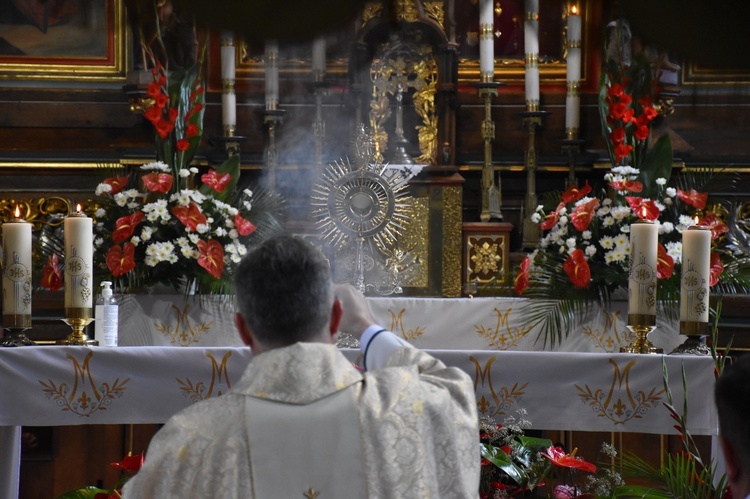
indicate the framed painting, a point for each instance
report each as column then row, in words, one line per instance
column 63, row 40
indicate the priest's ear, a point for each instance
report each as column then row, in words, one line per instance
column 244, row 330
column 731, row 459
column 337, row 312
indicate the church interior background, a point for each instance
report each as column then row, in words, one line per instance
column 398, row 83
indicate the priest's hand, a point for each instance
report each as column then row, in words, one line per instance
column 357, row 316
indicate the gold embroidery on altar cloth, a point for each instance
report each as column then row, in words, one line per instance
column 311, row 494
column 619, row 404
column 219, row 381
column 185, row 332
column 608, row 339
column 502, row 399
column 502, row 336
column 397, row 325
column 78, row 399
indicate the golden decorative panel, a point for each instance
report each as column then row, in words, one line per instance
column 452, row 204
column 415, row 239
column 40, row 211
column 485, row 257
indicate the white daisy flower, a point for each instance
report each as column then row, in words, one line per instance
column 661, row 181
column 156, row 165
column 102, row 188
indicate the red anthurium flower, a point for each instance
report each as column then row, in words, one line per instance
column 717, row 268
column 51, row 276
column 643, row 209
column 131, row 464
column 158, row 182
column 521, row 281
column 121, row 260
column 216, row 181
column 577, row 269
column 117, row 183
column 211, row 257
column 584, row 214
column 190, row 216
column 627, row 185
column 559, row 458
column 551, row 219
column 125, row 226
column 244, row 227
column 715, row 224
column 575, row 193
column 664, row 264
column 693, row 198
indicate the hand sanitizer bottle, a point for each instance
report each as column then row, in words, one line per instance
column 106, row 317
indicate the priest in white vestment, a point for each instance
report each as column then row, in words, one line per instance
column 303, row 422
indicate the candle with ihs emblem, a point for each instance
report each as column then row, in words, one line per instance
column 79, row 260
column 644, row 242
column 696, row 258
column 16, row 267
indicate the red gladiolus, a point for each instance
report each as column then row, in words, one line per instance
column 559, row 458
column 191, row 130
column 216, row 181
column 575, row 193
column 584, row 214
column 190, row 216
column 51, row 276
column 163, row 128
column 211, row 257
column 643, row 209
column 622, row 150
column 116, row 183
column 693, row 198
column 717, row 268
column 617, row 135
column 617, row 110
column 154, row 89
column 173, row 113
column 664, row 263
column 641, row 132
column 153, row 114
column 161, row 101
column 649, row 113
column 121, row 260
column 244, row 227
column 715, row 224
column 131, row 464
column 158, row 182
column 551, row 219
column 627, row 185
column 125, row 226
column 577, row 269
column 521, row 282
column 183, row 145
column 616, row 90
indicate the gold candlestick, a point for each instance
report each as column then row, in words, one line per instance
column 531, row 120
column 78, row 319
column 641, row 325
column 491, row 193
column 695, row 343
column 16, row 326
column 273, row 118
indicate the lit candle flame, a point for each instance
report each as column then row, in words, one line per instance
column 574, row 11
column 695, row 220
column 78, row 207
column 18, row 211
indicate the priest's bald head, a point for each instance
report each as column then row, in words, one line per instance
column 285, row 295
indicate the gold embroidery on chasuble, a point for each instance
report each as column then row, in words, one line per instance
column 86, row 395
column 620, row 402
column 219, row 381
column 502, row 336
column 502, row 399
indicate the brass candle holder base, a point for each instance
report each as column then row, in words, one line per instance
column 641, row 344
column 695, row 343
column 15, row 326
column 78, row 319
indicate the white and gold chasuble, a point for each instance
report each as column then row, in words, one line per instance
column 302, row 422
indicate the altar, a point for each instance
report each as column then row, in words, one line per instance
column 611, row 392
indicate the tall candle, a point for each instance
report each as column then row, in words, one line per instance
column 531, row 49
column 272, row 75
column 644, row 241
column 228, row 95
column 16, row 267
column 696, row 268
column 573, row 75
column 79, row 260
column 486, row 41
column 319, row 58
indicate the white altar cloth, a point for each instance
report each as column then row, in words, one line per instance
column 428, row 323
column 55, row 386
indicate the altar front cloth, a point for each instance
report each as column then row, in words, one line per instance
column 54, row 386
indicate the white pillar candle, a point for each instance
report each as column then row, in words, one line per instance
column 319, row 58
column 17, row 267
column 228, row 95
column 531, row 49
column 79, row 260
column 644, row 241
column 272, row 75
column 696, row 268
column 486, row 41
column 573, row 74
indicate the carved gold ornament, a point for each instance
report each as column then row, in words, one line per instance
column 485, row 258
column 37, row 211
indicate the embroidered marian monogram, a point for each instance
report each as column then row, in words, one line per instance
column 397, row 324
column 311, row 494
column 78, row 400
column 609, row 339
column 184, row 333
column 620, row 404
column 503, row 400
column 502, row 340
column 219, row 378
